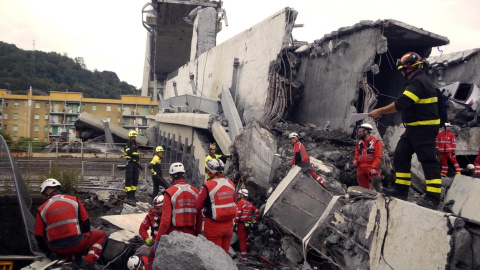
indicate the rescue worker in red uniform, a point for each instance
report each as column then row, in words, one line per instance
column 368, row 155
column 218, row 197
column 418, row 103
column 300, row 157
column 138, row 263
column 62, row 226
column 446, row 148
column 178, row 211
column 246, row 214
column 152, row 223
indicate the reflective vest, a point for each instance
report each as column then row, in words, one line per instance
column 304, row 159
column 445, row 142
column 245, row 211
column 61, row 217
column 183, row 199
column 221, row 193
column 365, row 153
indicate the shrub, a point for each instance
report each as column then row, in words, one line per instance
column 69, row 177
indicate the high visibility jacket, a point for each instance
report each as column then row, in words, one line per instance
column 183, row 198
column 446, row 142
column 221, row 199
column 246, row 211
column 61, row 216
column 368, row 154
column 131, row 151
column 418, row 103
column 300, row 156
column 154, row 165
column 152, row 222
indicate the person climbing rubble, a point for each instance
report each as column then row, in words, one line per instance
column 218, row 197
column 150, row 222
column 446, row 146
column 247, row 216
column 156, row 170
column 138, row 263
column 178, row 211
column 368, row 155
column 212, row 149
column 418, row 103
column 132, row 168
column 62, row 226
column 301, row 158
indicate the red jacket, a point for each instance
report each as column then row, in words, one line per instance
column 368, row 154
column 300, row 156
column 445, row 142
column 179, row 208
column 477, row 162
column 219, row 198
column 152, row 222
column 246, row 211
column 61, row 218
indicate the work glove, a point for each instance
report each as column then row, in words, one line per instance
column 355, row 163
column 234, row 154
column 247, row 224
column 253, row 226
column 373, row 171
column 154, row 173
column 149, row 242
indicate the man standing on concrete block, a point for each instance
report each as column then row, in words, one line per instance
column 218, row 197
column 62, row 226
column 247, row 216
column 156, row 170
column 418, row 103
column 368, row 155
column 446, row 148
column 132, row 169
column 301, row 158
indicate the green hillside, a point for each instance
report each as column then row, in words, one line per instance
column 45, row 72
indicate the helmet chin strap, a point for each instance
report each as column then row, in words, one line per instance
column 408, row 72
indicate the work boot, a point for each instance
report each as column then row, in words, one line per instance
column 128, row 199
column 321, row 181
column 133, row 196
column 377, row 183
column 84, row 265
column 394, row 192
column 428, row 203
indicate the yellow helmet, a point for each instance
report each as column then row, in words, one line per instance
column 132, row 133
column 212, row 146
column 159, row 149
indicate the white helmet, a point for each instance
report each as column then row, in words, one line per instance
column 293, row 135
column 176, row 167
column 158, row 201
column 243, row 191
column 470, row 166
column 50, row 182
column 215, row 165
column 134, row 262
column 448, row 124
column 366, row 126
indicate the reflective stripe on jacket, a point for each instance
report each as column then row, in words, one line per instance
column 60, row 215
column 246, row 211
column 300, row 156
column 221, row 193
column 183, row 198
column 446, row 142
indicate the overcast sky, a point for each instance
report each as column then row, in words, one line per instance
column 109, row 34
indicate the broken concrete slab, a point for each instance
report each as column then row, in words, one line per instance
column 464, row 192
column 179, row 251
column 204, row 32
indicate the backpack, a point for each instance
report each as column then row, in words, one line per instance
column 442, row 107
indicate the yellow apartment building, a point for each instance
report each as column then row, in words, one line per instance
column 45, row 118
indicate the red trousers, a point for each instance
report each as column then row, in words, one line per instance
column 364, row 178
column 443, row 160
column 219, row 232
column 242, row 238
column 93, row 240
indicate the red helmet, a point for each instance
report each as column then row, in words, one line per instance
column 410, row 60
column 212, row 146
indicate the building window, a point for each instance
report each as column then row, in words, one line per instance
column 45, row 129
column 127, row 121
column 46, row 116
column 37, row 105
column 109, row 108
column 15, row 127
column 119, row 109
column 45, row 139
column 16, row 105
column 5, row 116
column 35, row 139
column 119, row 119
column 35, row 128
column 36, row 117
column 152, row 110
column 15, row 116
column 108, row 119
column 6, row 104
column 94, row 107
column 5, row 127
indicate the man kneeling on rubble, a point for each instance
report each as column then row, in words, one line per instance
column 300, row 157
column 62, row 226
